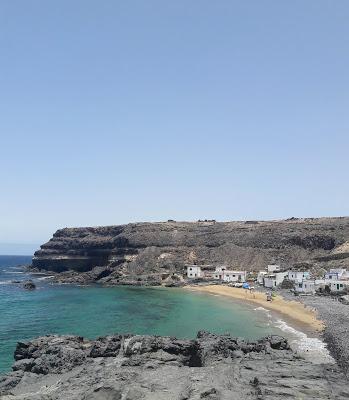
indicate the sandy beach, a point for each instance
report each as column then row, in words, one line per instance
column 290, row 309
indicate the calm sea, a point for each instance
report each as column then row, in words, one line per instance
column 94, row 311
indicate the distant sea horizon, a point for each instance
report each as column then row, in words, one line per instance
column 18, row 249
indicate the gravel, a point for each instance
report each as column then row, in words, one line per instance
column 335, row 315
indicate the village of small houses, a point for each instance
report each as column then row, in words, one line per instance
column 274, row 277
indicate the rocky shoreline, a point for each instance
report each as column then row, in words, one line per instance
column 335, row 315
column 330, row 311
column 134, row 367
column 210, row 367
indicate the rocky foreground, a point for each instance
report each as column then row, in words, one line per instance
column 148, row 367
column 156, row 253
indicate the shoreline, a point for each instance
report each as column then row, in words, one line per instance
column 294, row 311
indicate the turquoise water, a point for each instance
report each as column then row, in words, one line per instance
column 94, row 311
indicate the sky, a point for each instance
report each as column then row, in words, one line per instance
column 113, row 112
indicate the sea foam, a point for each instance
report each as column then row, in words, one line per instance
column 311, row 348
column 45, row 277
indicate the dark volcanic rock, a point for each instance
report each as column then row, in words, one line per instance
column 29, row 285
column 148, row 253
column 151, row 367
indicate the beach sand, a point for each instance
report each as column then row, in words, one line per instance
column 291, row 309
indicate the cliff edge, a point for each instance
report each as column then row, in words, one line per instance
column 153, row 252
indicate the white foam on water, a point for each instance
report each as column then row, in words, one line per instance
column 45, row 277
column 310, row 348
column 261, row 309
column 4, row 282
column 14, row 272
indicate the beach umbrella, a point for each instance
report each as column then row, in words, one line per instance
column 245, row 285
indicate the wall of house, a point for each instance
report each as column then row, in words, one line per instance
column 273, row 268
column 338, row 286
column 234, row 277
column 305, row 287
column 280, row 277
column 269, row 282
column 297, row 276
column 194, row 272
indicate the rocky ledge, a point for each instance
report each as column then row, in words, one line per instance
column 130, row 367
column 156, row 253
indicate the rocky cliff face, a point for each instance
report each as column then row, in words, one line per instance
column 160, row 368
column 154, row 251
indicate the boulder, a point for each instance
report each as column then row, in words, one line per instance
column 29, row 285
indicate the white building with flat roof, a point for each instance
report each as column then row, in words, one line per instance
column 274, row 280
column 298, row 276
column 338, row 286
column 336, row 274
column 260, row 277
column 193, row 271
column 273, row 268
column 309, row 285
column 227, row 275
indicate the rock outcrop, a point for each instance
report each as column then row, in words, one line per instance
column 149, row 253
column 149, row 367
column 29, row 285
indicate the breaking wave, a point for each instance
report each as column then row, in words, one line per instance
column 311, row 348
column 45, row 277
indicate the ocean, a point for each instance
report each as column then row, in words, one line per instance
column 93, row 311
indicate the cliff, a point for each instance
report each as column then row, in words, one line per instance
column 132, row 367
column 151, row 252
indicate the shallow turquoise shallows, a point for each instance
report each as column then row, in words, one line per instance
column 95, row 311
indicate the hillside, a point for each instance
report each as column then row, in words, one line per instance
column 149, row 251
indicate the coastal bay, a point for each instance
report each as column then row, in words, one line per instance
column 93, row 311
column 292, row 310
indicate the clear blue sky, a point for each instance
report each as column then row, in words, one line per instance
column 118, row 111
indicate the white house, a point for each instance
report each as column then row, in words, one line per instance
column 298, row 276
column 309, row 285
column 274, row 280
column 338, row 286
column 193, row 271
column 273, row 268
column 336, row 274
column 227, row 275
column 260, row 277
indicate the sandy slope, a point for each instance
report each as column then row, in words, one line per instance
column 292, row 309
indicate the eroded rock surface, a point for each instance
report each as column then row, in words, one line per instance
column 149, row 367
column 156, row 253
